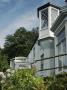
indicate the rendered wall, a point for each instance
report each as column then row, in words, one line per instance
column 45, row 47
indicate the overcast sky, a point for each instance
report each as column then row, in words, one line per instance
column 19, row 13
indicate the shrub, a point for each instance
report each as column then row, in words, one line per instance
column 24, row 79
column 59, row 82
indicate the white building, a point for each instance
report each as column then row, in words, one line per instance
column 48, row 54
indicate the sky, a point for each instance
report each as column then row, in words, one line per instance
column 19, row 13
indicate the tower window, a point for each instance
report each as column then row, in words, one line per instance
column 44, row 19
column 54, row 15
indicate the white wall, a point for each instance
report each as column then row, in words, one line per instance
column 19, row 62
column 45, row 47
column 58, row 30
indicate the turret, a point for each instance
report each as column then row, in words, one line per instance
column 47, row 15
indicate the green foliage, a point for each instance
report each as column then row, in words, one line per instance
column 3, row 61
column 24, row 80
column 27, row 80
column 59, row 82
column 20, row 43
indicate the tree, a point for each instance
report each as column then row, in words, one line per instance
column 3, row 61
column 20, row 42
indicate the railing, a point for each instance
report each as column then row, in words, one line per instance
column 53, row 58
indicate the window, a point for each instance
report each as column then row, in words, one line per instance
column 60, row 57
column 34, row 52
column 60, row 65
column 64, row 52
column 44, row 19
column 61, row 48
column 61, row 36
column 54, row 15
column 42, row 62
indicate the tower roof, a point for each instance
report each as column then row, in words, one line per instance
column 45, row 6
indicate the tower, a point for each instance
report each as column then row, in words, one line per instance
column 47, row 15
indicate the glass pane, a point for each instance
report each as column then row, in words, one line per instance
column 54, row 14
column 61, row 36
column 44, row 19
